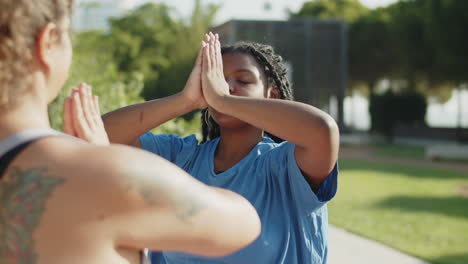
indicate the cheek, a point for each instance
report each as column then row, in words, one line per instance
column 67, row 56
column 252, row 90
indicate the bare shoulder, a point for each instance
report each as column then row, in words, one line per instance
column 121, row 192
column 132, row 176
column 77, row 161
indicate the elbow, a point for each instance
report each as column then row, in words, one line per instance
column 330, row 126
column 238, row 228
column 330, row 133
column 250, row 228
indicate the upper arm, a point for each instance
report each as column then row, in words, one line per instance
column 283, row 166
column 318, row 158
column 161, row 207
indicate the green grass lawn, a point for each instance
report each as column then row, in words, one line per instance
column 400, row 150
column 416, row 210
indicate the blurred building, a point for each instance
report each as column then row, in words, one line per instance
column 91, row 14
column 315, row 51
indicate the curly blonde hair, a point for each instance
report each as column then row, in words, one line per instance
column 20, row 23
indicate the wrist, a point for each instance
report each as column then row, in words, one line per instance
column 187, row 101
column 220, row 102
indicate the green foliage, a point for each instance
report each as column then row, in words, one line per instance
column 162, row 48
column 93, row 63
column 419, row 46
column 146, row 53
column 372, row 52
column 349, row 10
column 421, row 43
column 389, row 109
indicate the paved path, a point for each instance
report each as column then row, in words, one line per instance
column 347, row 248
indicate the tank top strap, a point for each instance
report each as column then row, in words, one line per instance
column 14, row 144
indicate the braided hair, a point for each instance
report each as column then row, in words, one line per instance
column 274, row 69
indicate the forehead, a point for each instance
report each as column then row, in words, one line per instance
column 235, row 61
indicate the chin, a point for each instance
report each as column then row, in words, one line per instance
column 54, row 92
column 227, row 121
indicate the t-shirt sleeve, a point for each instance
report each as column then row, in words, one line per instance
column 293, row 183
column 171, row 147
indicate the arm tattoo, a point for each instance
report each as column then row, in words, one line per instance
column 23, row 195
column 183, row 205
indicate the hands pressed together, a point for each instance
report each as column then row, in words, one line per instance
column 205, row 87
column 206, row 84
column 82, row 116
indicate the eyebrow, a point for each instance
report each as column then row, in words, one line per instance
column 247, row 70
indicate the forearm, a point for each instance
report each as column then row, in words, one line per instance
column 296, row 122
column 126, row 124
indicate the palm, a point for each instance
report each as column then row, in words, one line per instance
column 213, row 82
column 193, row 88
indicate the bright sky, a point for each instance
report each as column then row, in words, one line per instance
column 251, row 9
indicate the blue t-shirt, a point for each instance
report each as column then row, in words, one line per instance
column 294, row 218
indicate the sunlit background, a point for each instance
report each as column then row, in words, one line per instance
column 393, row 73
column 94, row 15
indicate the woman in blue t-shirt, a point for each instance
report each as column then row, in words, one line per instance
column 244, row 91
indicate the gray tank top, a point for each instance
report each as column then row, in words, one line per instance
column 14, row 144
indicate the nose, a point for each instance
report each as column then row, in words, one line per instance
column 231, row 84
column 231, row 89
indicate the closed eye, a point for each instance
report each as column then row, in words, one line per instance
column 243, row 82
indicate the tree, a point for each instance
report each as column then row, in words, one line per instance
column 151, row 41
column 447, row 23
column 182, row 52
column 372, row 50
column 94, row 64
column 348, row 10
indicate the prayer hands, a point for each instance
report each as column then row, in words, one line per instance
column 82, row 116
column 214, row 84
column 193, row 88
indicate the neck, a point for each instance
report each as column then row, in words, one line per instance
column 235, row 144
column 28, row 114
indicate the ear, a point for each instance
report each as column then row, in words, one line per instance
column 45, row 45
column 273, row 93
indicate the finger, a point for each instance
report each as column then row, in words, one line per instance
column 80, row 125
column 206, row 59
column 92, row 105
column 212, row 52
column 212, row 39
column 67, row 118
column 85, row 105
column 98, row 111
column 219, row 58
column 96, row 104
column 95, row 115
column 207, row 38
column 198, row 61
